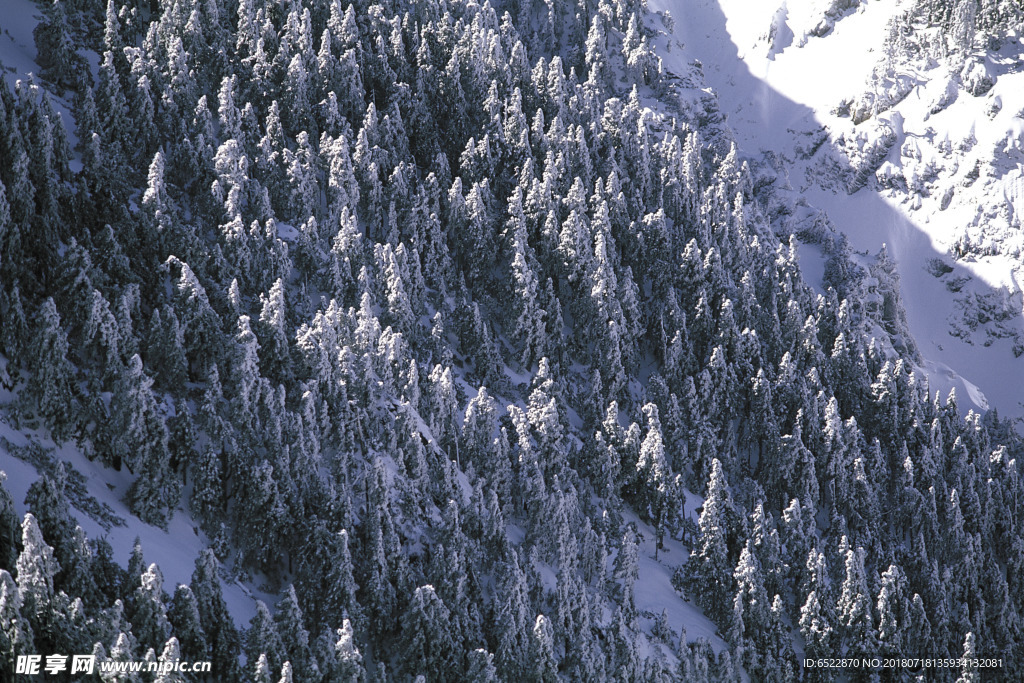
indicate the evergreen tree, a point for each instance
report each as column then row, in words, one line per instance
column 481, row 667
column 103, row 336
column 10, row 530
column 49, row 506
column 262, row 672
column 855, row 620
column 120, row 651
column 350, row 663
column 627, row 571
column 15, row 632
column 708, row 568
column 893, row 611
column 262, row 643
column 294, row 637
column 216, row 622
column 543, row 666
column 529, row 325
column 430, row 646
column 170, row 655
column 659, row 494
column 55, row 46
column 40, row 604
column 52, row 392
column 751, row 610
column 183, row 614
column 478, row 430
column 511, row 620
column 341, row 585
column 156, row 491
column 968, row 673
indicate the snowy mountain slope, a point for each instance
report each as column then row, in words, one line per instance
column 781, row 72
column 174, row 549
column 342, row 442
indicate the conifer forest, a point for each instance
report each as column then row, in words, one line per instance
column 466, row 341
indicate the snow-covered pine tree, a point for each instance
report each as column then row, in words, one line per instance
column 15, row 631
column 220, row 631
column 149, row 614
column 529, row 324
column 52, row 393
column 39, row 603
column 10, row 528
column 55, row 49
column 183, row 614
column 349, row 666
column 659, row 496
column 708, row 577
column 431, row 648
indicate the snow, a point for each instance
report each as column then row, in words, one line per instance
column 286, row 232
column 779, row 86
column 654, row 592
column 17, row 46
column 812, row 265
column 943, row 380
column 174, row 550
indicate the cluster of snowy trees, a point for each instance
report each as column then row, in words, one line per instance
column 966, row 21
column 418, row 302
column 73, row 597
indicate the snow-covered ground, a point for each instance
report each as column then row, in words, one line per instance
column 782, row 68
column 654, row 591
column 18, row 18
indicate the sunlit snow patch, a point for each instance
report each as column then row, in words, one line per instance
column 942, row 379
